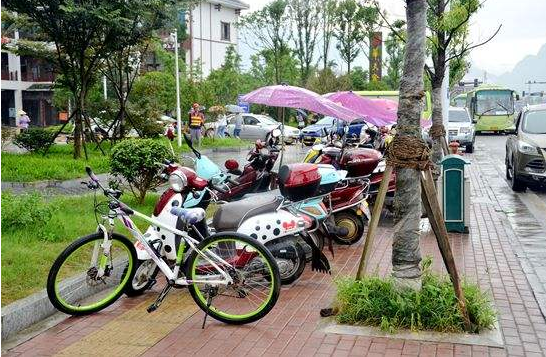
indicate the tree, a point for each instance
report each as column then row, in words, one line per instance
column 447, row 41
column 328, row 23
column 264, row 67
column 83, row 34
column 406, row 253
column 325, row 81
column 269, row 30
column 306, row 18
column 228, row 80
column 354, row 24
column 394, row 47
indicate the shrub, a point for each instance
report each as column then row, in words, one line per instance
column 136, row 161
column 378, row 302
column 23, row 211
column 34, row 139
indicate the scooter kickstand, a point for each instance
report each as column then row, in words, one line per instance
column 160, row 298
column 209, row 302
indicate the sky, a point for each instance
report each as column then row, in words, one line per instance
column 523, row 31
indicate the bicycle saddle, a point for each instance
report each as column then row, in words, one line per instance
column 189, row 215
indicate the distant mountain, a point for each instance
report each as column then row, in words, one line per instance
column 530, row 68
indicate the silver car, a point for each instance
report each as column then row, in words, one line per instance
column 526, row 149
column 460, row 128
column 257, row 126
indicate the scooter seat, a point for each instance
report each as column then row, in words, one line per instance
column 231, row 214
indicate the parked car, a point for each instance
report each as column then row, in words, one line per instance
column 526, row 149
column 460, row 128
column 329, row 125
column 257, row 126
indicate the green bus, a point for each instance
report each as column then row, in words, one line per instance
column 492, row 108
column 393, row 95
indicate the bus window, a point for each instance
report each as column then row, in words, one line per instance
column 494, row 102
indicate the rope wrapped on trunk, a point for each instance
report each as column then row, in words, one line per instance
column 437, row 131
column 409, row 152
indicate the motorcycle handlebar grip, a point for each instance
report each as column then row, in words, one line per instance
column 91, row 174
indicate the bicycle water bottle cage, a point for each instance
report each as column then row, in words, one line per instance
column 189, row 215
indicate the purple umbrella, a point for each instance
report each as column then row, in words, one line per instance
column 373, row 112
column 296, row 97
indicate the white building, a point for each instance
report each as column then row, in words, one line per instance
column 26, row 85
column 211, row 29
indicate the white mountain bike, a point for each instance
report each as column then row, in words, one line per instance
column 231, row 276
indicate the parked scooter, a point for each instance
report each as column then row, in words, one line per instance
column 198, row 191
column 287, row 222
column 358, row 161
column 256, row 175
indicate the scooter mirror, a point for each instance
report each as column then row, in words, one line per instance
column 276, row 133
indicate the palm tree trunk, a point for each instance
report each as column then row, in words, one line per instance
column 406, row 253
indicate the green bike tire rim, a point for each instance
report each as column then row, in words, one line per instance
column 222, row 313
column 108, row 298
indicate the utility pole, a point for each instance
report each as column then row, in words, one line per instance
column 178, row 111
column 104, row 88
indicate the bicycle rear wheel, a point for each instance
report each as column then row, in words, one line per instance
column 256, row 279
column 75, row 284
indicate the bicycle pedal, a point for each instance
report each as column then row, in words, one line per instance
column 151, row 308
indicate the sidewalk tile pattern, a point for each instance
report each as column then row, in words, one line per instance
column 291, row 329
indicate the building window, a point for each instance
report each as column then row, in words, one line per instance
column 225, row 28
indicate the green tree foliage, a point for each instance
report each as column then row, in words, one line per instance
column 155, row 89
column 354, row 23
column 447, row 41
column 34, row 139
column 327, row 29
column 136, row 161
column 325, row 81
column 358, row 78
column 228, row 81
column 394, row 46
column 306, row 16
column 268, row 31
column 84, row 34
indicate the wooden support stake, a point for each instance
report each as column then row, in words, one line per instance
column 430, row 201
column 376, row 214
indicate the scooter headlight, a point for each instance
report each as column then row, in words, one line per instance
column 178, row 180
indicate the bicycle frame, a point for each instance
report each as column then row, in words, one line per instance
column 171, row 274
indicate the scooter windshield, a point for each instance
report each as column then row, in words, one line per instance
column 205, row 168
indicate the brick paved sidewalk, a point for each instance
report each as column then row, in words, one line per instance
column 292, row 328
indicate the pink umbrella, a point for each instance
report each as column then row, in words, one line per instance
column 373, row 112
column 386, row 104
column 295, row 97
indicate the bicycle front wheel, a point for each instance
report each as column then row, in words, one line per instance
column 256, row 280
column 86, row 277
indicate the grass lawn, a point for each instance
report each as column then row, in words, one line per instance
column 32, row 241
column 59, row 164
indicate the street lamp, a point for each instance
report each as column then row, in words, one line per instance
column 174, row 38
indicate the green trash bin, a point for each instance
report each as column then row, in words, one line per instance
column 454, row 193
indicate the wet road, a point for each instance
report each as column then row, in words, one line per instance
column 525, row 212
column 534, row 198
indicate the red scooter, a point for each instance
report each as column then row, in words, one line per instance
column 256, row 175
column 358, row 161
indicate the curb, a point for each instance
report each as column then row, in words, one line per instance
column 28, row 311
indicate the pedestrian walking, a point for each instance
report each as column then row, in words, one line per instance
column 221, row 125
column 24, row 120
column 238, row 125
column 197, row 120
